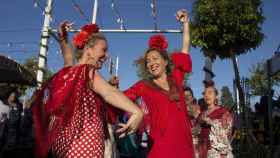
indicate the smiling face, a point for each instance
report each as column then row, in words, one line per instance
column 155, row 63
column 97, row 54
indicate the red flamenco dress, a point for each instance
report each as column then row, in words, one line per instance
column 169, row 125
column 69, row 116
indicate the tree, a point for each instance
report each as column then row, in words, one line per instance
column 226, row 29
column 258, row 81
column 226, row 97
column 31, row 64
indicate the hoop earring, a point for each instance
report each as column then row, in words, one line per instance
column 216, row 102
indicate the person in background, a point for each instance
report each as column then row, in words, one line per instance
column 17, row 139
column 193, row 111
column 216, row 127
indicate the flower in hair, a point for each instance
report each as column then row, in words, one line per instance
column 81, row 38
column 90, row 28
column 158, row 42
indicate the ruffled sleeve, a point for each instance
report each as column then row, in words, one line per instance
column 135, row 91
column 182, row 65
column 132, row 93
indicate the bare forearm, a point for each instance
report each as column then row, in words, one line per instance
column 67, row 53
column 113, row 96
column 186, row 38
column 119, row 100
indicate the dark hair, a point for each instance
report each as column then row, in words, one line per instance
column 211, row 84
column 186, row 88
column 8, row 94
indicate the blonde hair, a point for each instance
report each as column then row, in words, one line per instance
column 93, row 38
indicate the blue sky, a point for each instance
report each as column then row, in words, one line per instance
column 20, row 24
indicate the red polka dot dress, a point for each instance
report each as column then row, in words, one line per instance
column 70, row 123
column 84, row 137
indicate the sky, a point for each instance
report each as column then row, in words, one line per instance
column 21, row 22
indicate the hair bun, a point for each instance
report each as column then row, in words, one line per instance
column 209, row 83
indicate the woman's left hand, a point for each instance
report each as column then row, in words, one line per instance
column 182, row 16
column 131, row 126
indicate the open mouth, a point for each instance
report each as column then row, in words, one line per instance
column 154, row 68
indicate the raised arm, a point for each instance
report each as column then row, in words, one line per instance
column 182, row 16
column 117, row 99
column 66, row 49
column 182, row 60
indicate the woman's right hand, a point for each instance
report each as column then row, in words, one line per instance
column 132, row 124
column 63, row 28
column 206, row 119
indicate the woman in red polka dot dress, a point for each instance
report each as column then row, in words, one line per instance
column 69, row 113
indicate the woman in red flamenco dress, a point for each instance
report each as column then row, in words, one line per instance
column 169, row 125
column 69, row 112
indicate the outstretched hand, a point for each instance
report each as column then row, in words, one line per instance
column 182, row 16
column 131, row 126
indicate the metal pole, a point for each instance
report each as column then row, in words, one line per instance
column 117, row 66
column 270, row 121
column 130, row 31
column 94, row 13
column 44, row 43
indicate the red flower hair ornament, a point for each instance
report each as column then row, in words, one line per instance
column 158, row 42
column 81, row 38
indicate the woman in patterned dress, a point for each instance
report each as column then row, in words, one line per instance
column 69, row 110
column 216, row 127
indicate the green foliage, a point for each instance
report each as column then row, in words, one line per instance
column 258, row 81
column 31, row 64
column 226, row 97
column 223, row 26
